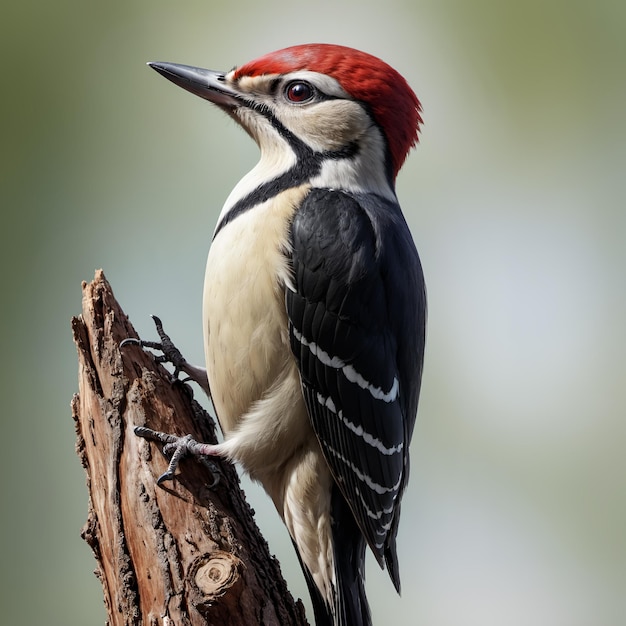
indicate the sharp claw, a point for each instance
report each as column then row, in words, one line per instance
column 214, row 469
column 165, row 338
column 130, row 341
column 163, row 478
column 170, row 354
column 159, row 325
column 175, row 448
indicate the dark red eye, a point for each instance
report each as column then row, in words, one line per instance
column 299, row 92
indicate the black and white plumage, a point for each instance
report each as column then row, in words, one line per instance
column 315, row 307
column 350, row 314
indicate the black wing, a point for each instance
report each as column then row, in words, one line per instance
column 357, row 324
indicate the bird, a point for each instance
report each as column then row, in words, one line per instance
column 314, row 307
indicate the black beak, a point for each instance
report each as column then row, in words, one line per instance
column 207, row 84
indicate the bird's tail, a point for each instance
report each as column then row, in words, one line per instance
column 321, row 610
column 348, row 606
column 351, row 607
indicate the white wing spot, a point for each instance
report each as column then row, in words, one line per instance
column 380, row 489
column 383, row 529
column 354, row 377
column 358, row 430
column 378, row 514
column 349, row 372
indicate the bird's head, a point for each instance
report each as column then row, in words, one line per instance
column 345, row 110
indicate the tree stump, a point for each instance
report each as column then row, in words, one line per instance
column 184, row 554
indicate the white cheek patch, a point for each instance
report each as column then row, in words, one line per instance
column 326, row 126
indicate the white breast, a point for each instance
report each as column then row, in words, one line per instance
column 245, row 319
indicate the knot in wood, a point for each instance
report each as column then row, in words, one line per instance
column 217, row 573
column 212, row 575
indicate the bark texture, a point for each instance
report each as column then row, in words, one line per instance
column 185, row 554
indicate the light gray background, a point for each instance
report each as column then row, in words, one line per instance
column 516, row 196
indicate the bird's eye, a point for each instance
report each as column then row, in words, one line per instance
column 299, row 92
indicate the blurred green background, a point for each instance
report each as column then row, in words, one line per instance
column 516, row 512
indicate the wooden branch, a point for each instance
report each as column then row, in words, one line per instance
column 185, row 554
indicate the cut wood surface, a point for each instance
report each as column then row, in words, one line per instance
column 185, row 553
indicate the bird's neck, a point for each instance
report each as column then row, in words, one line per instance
column 281, row 167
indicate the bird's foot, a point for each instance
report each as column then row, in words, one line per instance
column 176, row 448
column 171, row 354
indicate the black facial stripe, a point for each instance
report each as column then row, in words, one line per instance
column 297, row 144
column 308, row 165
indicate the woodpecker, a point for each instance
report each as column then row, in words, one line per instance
column 314, row 307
